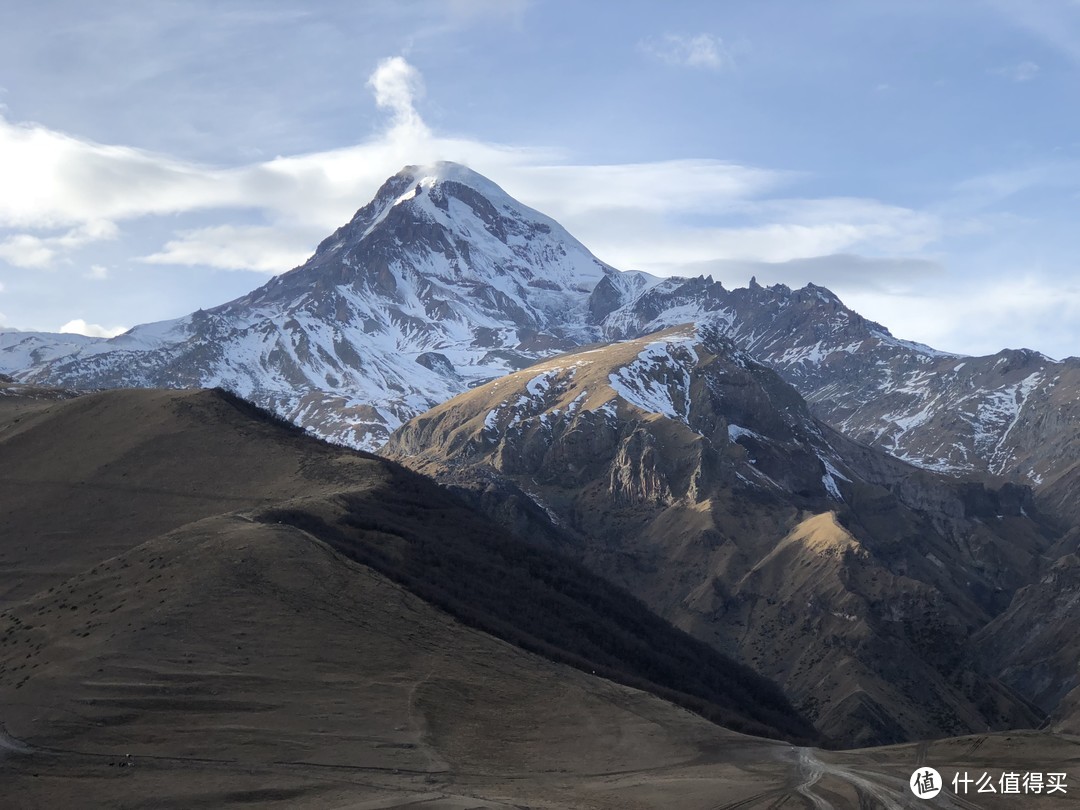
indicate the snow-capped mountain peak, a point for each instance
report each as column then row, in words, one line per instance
column 442, row 281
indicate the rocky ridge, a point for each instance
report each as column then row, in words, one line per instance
column 684, row 470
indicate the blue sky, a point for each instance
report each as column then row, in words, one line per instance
column 922, row 159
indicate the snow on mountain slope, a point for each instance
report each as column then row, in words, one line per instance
column 22, row 350
column 1014, row 414
column 441, row 282
column 658, row 379
column 723, row 400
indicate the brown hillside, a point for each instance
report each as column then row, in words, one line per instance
column 687, row 473
column 86, row 478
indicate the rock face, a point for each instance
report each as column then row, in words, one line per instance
column 1014, row 414
column 684, row 470
column 1041, row 656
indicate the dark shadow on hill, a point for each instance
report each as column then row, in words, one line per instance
column 432, row 543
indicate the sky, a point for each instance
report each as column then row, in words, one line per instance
column 920, row 158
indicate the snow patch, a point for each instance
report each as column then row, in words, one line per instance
column 658, row 379
column 736, row 432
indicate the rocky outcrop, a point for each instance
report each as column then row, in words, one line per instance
column 677, row 466
column 1014, row 414
column 1041, row 658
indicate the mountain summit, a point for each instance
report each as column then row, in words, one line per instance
column 442, row 281
column 452, row 241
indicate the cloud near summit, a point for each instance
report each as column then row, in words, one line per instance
column 397, row 85
column 267, row 216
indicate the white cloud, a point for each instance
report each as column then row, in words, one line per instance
column 1020, row 72
column 663, row 186
column 780, row 231
column 94, row 230
column 632, row 215
column 26, row 250
column 397, row 86
column 80, row 327
column 53, row 180
column 978, row 318
column 230, row 247
column 97, row 272
column 697, row 51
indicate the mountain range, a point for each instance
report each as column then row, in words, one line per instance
column 443, row 281
column 859, row 519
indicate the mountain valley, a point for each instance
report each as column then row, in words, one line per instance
column 212, row 650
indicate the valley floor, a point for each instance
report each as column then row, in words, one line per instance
column 744, row 773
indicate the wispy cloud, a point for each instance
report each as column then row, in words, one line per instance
column 993, row 188
column 974, row 319
column 264, row 249
column 28, row 250
column 1020, row 72
column 666, row 216
column 695, row 51
column 80, row 327
column 25, row 250
column 1055, row 22
column 397, row 86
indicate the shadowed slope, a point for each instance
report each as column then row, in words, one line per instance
column 189, row 616
column 260, row 656
column 237, row 663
